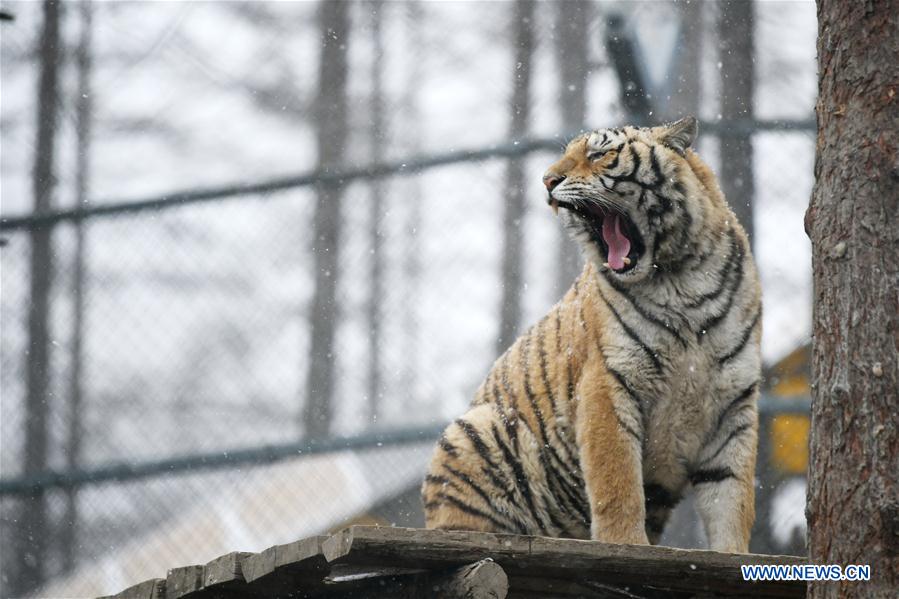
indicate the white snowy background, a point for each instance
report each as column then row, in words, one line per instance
column 197, row 317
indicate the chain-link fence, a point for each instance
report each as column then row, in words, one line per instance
column 182, row 324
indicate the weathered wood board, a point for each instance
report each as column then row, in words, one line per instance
column 365, row 561
column 661, row 567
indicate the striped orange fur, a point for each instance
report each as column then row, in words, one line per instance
column 640, row 382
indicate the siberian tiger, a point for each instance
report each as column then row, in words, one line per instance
column 641, row 381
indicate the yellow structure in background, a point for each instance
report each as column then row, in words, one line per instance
column 789, row 442
column 788, row 433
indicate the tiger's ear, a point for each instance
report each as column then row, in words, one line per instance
column 679, row 135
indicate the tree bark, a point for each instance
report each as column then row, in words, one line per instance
column 331, row 119
column 514, row 205
column 376, row 210
column 572, row 61
column 32, row 535
column 736, row 30
column 853, row 222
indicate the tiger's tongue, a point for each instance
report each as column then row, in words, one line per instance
column 619, row 244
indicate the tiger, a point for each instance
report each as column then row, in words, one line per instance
column 641, row 383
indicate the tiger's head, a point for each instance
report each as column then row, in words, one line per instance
column 634, row 197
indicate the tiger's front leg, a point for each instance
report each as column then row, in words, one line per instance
column 723, row 478
column 611, row 460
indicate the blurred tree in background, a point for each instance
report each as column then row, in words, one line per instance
column 332, row 136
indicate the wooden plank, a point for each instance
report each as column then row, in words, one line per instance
column 298, row 568
column 225, row 569
column 222, row 577
column 148, row 589
column 181, row 581
column 602, row 563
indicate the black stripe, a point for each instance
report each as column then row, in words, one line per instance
column 664, row 206
column 483, row 494
column 713, row 475
column 733, row 434
column 559, row 332
column 614, row 163
column 464, row 507
column 520, row 479
column 734, row 254
column 684, row 220
column 716, row 319
column 544, row 372
column 544, row 376
column 656, row 169
column 744, row 338
column 659, row 497
column 476, row 440
column 732, row 405
column 437, row 480
column 551, row 475
column 568, row 385
column 575, row 497
column 628, row 389
column 624, row 425
column 511, row 398
column 623, row 292
column 508, row 423
column 659, row 239
column 637, row 161
column 630, row 177
column 650, row 353
column 529, row 391
column 446, row 446
column 493, row 471
column 548, row 448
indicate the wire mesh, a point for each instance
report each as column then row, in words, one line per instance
column 196, row 318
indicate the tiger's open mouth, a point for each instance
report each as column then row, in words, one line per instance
column 613, row 230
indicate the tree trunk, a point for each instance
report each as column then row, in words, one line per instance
column 32, row 538
column 736, row 29
column 412, row 261
column 376, row 210
column 572, row 23
column 331, row 115
column 684, row 80
column 853, row 222
column 83, row 107
column 514, row 206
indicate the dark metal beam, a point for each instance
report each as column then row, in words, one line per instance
column 191, row 464
column 410, row 166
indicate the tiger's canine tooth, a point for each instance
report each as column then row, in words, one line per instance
column 627, row 261
column 555, row 205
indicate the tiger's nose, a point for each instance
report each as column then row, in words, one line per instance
column 552, row 180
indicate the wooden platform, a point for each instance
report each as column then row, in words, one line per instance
column 364, row 561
